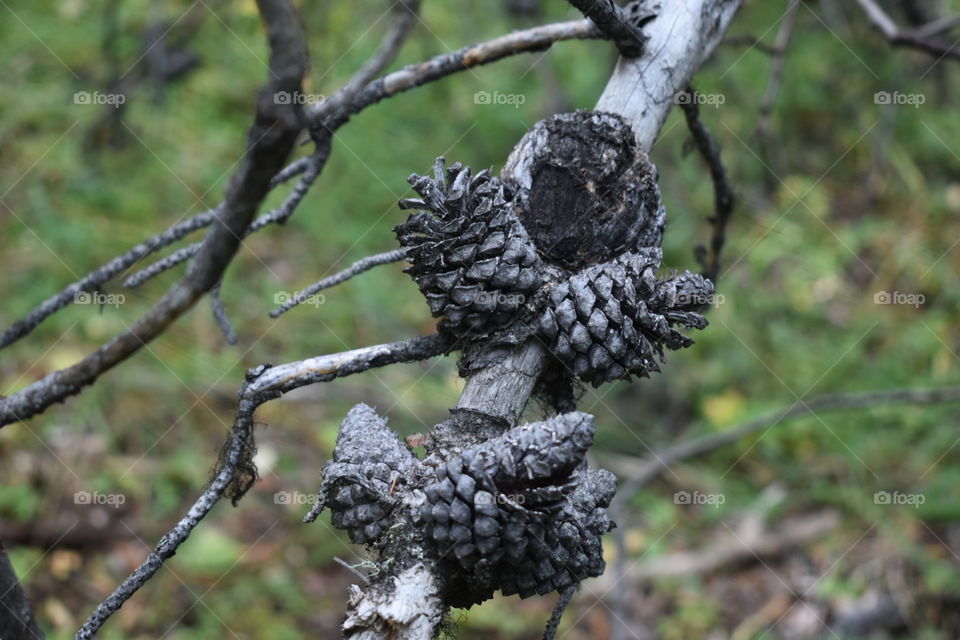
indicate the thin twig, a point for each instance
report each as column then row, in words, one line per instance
column 937, row 27
column 275, row 216
column 405, row 18
column 554, row 623
column 220, row 315
column 358, row 267
column 724, row 199
column 778, row 65
column 352, row 569
column 96, row 278
column 291, row 171
column 919, row 39
column 652, row 467
column 167, row 547
column 103, row 274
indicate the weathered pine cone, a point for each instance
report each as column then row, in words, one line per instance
column 470, row 256
column 614, row 319
column 360, row 482
column 521, row 512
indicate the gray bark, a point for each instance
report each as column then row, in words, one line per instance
column 682, row 37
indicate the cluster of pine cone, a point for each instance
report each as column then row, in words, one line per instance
column 564, row 248
column 483, row 275
column 521, row 513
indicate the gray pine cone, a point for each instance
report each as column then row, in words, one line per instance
column 613, row 320
column 360, row 482
column 521, row 512
column 470, row 255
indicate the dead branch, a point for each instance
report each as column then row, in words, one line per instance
column 778, row 65
column 415, row 75
column 358, row 267
column 921, row 38
column 262, row 384
column 117, row 266
column 96, row 278
column 270, row 140
column 280, row 215
column 220, row 315
column 280, row 379
column 724, row 199
column 405, row 17
column 749, row 544
column 651, row 468
column 410, row 77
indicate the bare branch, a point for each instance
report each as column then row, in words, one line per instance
column 287, row 377
column 270, row 141
column 723, row 196
column 778, row 65
column 404, row 20
column 263, row 383
column 410, row 77
column 683, row 34
column 748, row 544
column 937, row 27
column 358, row 267
column 280, row 215
column 920, row 39
column 415, row 75
column 92, row 281
column 650, row 469
column 615, row 23
column 235, row 452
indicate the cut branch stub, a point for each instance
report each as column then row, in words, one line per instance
column 520, row 512
column 585, row 192
column 564, row 247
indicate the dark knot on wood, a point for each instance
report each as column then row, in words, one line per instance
column 585, row 191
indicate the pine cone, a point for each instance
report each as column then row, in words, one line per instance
column 359, row 483
column 520, row 512
column 470, row 255
column 613, row 319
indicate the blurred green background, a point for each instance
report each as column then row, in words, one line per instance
column 842, row 198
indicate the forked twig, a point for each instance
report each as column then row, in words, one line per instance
column 263, row 383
